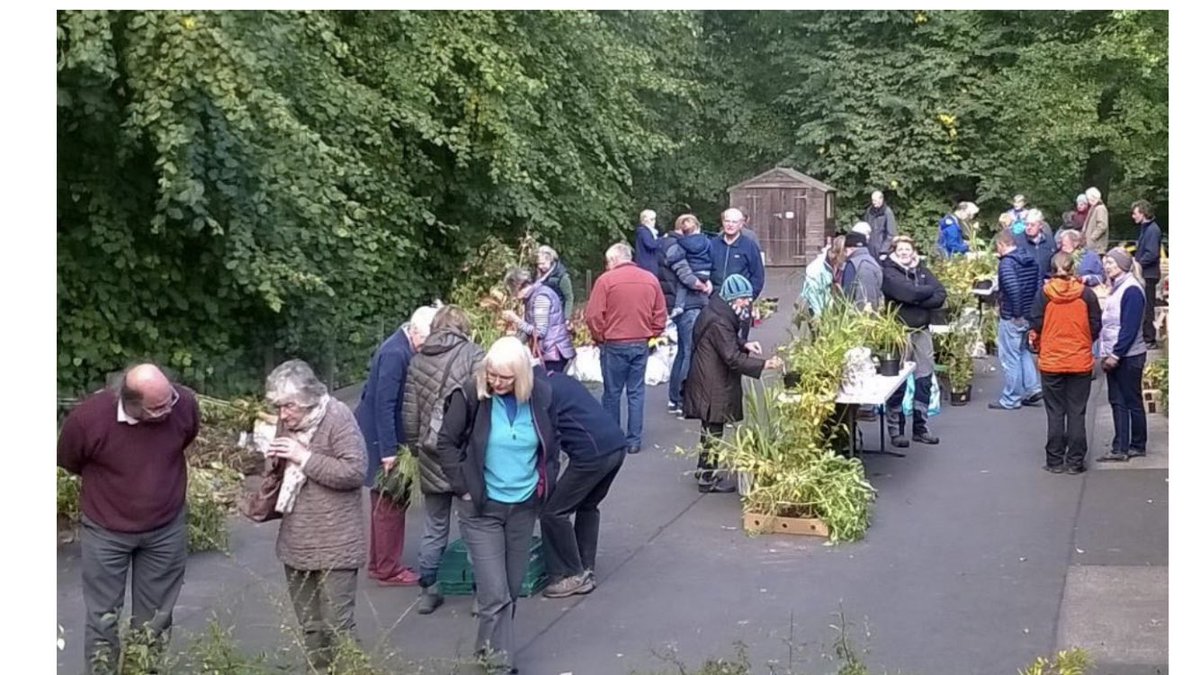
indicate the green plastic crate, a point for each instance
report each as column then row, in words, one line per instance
column 455, row 576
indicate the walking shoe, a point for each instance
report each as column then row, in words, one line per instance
column 1136, row 453
column 1057, row 468
column 1034, row 399
column 406, row 577
column 996, row 405
column 579, row 584
column 431, row 599
column 674, row 408
column 1114, row 457
column 926, row 438
column 1152, row 346
column 1076, row 470
column 633, row 449
column 1032, row 403
column 899, row 442
column 719, row 486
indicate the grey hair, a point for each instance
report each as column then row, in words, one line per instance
column 548, row 252
column 516, row 278
column 295, row 382
column 421, row 322
column 1092, row 193
column 1080, row 198
column 1075, row 235
column 1035, row 216
column 877, row 192
column 619, row 253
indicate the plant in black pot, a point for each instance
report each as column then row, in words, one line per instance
column 960, row 367
column 888, row 337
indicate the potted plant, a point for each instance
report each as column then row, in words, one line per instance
column 888, row 337
column 960, row 367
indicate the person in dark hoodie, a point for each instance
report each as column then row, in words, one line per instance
column 912, row 288
column 1019, row 284
column 714, row 390
column 694, row 293
column 735, row 253
column 883, row 225
column 1065, row 322
column 595, row 446
column 862, row 278
column 1037, row 242
column 1147, row 254
column 444, row 364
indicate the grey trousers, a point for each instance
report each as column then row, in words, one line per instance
column 324, row 603
column 498, row 537
column 157, row 559
column 437, row 534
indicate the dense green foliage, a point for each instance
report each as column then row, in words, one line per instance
column 239, row 187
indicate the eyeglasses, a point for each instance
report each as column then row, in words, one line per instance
column 500, row 379
column 292, row 406
column 164, row 409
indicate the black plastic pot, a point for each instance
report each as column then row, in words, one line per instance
column 939, row 317
column 889, row 365
column 791, row 379
column 960, row 398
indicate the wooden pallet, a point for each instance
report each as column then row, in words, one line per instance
column 764, row 524
column 1153, row 400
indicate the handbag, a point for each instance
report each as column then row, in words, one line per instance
column 259, row 506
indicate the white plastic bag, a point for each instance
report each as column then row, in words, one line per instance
column 586, row 366
column 658, row 366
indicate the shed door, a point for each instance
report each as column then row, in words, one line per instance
column 799, row 231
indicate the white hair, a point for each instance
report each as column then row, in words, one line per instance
column 646, row 216
column 1069, row 233
column 734, row 214
column 862, row 228
column 421, row 322
column 1092, row 193
column 618, row 253
column 1081, row 199
column 876, row 193
column 547, row 252
column 294, row 382
column 1035, row 216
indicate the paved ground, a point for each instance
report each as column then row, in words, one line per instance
column 976, row 562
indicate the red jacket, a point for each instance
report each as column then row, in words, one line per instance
column 626, row 303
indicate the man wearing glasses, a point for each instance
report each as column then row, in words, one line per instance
column 127, row 444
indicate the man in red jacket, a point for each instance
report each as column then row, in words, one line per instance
column 626, row 309
column 127, row 444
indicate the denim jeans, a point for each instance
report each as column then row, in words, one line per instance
column 1128, row 409
column 623, row 367
column 684, row 324
column 1021, row 377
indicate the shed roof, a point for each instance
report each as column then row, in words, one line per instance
column 784, row 174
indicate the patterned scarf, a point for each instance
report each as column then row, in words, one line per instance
column 293, row 477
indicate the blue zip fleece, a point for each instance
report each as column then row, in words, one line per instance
column 585, row 431
column 742, row 257
column 1019, row 284
column 510, row 466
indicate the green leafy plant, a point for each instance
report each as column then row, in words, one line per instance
column 212, row 494
column 402, row 484
column 953, row 349
column 1073, row 661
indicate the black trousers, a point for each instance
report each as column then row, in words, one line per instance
column 571, row 549
column 1148, row 333
column 1066, row 399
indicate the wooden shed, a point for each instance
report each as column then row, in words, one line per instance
column 791, row 213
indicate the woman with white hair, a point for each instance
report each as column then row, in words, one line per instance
column 1095, row 227
column 499, row 450
column 321, row 540
column 554, row 274
column 545, row 322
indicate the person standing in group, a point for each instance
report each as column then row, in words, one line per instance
column 380, row 415
column 625, row 310
column 321, row 541
column 1088, row 265
column 647, row 242
column 912, row 288
column 1095, row 228
column 1147, row 254
column 713, row 393
column 596, row 446
column 1123, row 356
column 555, row 275
column 862, row 277
column 499, row 449
column 822, row 274
column 733, row 254
column 1018, row 211
column 676, row 273
column 1076, row 218
column 950, row 231
column 1065, row 321
column 127, row 444
column 547, row 331
column 1019, row 285
column 444, row 364
column 883, row 225
column 1037, row 242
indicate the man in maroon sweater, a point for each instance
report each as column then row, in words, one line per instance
column 128, row 447
column 626, row 309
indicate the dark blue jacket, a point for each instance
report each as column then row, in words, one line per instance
column 1042, row 252
column 1019, row 284
column 586, row 432
column 645, row 250
column 1149, row 245
column 743, row 257
column 378, row 411
column 697, row 248
column 677, row 269
column 950, row 236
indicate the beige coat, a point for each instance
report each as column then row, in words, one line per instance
column 1095, row 229
column 325, row 529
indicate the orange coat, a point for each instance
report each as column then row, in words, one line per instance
column 1066, row 321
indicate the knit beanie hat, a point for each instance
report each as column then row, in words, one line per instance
column 855, row 239
column 1122, row 258
column 736, row 286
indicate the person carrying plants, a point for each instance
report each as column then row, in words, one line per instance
column 1065, row 321
column 912, row 288
column 713, row 393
